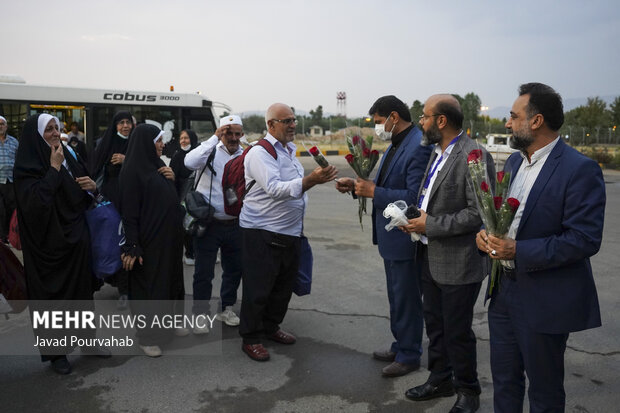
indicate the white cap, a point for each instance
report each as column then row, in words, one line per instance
column 230, row 120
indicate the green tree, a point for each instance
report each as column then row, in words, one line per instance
column 615, row 111
column 471, row 106
column 254, row 124
column 416, row 110
column 316, row 116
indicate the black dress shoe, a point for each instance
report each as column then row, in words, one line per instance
column 388, row 355
column 61, row 365
column 428, row 391
column 466, row 403
column 97, row 351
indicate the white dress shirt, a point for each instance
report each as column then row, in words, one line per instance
column 522, row 185
column 442, row 162
column 196, row 159
column 276, row 202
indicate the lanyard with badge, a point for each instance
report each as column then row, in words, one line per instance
column 433, row 170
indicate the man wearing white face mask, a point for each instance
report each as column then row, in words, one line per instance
column 399, row 177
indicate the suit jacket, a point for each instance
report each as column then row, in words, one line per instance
column 453, row 220
column 561, row 228
column 400, row 182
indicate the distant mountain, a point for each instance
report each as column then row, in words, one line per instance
column 501, row 112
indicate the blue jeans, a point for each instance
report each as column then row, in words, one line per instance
column 227, row 238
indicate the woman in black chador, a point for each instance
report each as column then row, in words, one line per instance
column 152, row 219
column 51, row 187
column 183, row 181
column 107, row 161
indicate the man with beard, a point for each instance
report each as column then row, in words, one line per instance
column 271, row 223
column 399, row 177
column 547, row 289
column 451, row 268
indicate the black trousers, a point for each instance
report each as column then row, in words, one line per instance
column 270, row 266
column 448, row 314
column 7, row 206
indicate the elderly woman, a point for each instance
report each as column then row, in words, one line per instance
column 107, row 162
column 152, row 219
column 53, row 191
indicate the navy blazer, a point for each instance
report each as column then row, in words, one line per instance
column 400, row 182
column 561, row 228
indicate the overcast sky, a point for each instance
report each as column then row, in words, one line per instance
column 249, row 54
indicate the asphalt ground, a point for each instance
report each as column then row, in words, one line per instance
column 330, row 367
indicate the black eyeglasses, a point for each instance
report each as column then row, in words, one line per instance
column 423, row 116
column 286, row 121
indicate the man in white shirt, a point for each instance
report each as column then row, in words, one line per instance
column 271, row 223
column 223, row 231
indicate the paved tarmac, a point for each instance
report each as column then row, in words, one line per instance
column 338, row 326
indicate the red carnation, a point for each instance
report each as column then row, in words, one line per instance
column 355, row 140
column 484, row 186
column 314, row 151
column 350, row 158
column 474, row 156
column 366, row 152
column 500, row 177
column 374, row 152
column 513, row 203
column 497, row 200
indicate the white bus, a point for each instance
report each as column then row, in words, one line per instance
column 93, row 109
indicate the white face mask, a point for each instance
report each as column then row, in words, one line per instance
column 382, row 133
column 187, row 147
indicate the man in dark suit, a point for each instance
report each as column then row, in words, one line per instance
column 452, row 269
column 398, row 178
column 547, row 289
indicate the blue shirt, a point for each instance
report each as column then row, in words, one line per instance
column 8, row 149
column 276, row 202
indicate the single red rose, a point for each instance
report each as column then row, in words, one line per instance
column 513, row 203
column 349, row 158
column 474, row 156
column 500, row 177
column 314, row 151
column 366, row 152
column 374, row 152
column 484, row 186
column 497, row 200
column 355, row 140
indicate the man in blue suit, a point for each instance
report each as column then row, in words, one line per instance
column 398, row 178
column 547, row 289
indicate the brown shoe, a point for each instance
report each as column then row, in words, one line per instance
column 397, row 369
column 282, row 337
column 384, row 355
column 256, row 351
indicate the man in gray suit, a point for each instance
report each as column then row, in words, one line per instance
column 451, row 268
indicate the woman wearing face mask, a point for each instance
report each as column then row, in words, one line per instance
column 152, row 219
column 187, row 141
column 107, row 162
column 52, row 191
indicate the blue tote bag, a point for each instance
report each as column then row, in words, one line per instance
column 105, row 236
column 303, row 283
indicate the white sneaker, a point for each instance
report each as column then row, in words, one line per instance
column 229, row 317
column 189, row 261
column 151, row 351
column 181, row 332
column 204, row 329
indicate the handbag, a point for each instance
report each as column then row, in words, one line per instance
column 104, row 223
column 303, row 282
column 12, row 281
column 199, row 212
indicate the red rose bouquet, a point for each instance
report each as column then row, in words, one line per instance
column 496, row 210
column 362, row 158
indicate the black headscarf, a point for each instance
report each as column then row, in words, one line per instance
column 110, row 144
column 177, row 163
column 52, row 225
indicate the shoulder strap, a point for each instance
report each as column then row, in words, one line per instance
column 271, row 150
column 208, row 164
